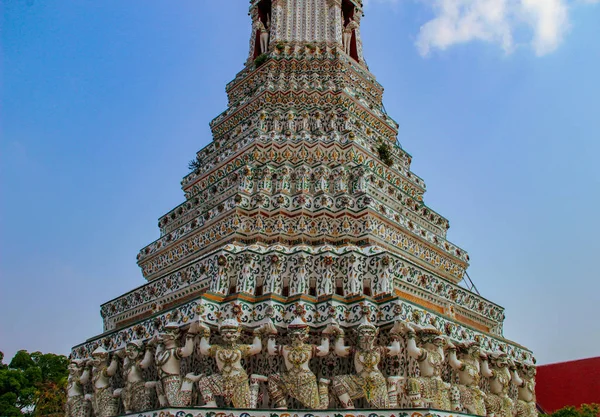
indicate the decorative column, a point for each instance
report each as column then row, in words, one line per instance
column 246, row 184
column 247, row 279
column 299, row 279
column 277, row 21
column 358, row 14
column 273, row 281
column 283, row 180
column 383, row 281
column 251, row 53
column 220, row 281
column 334, row 21
column 352, row 284
column 321, row 184
column 325, row 280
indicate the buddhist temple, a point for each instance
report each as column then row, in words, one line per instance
column 303, row 271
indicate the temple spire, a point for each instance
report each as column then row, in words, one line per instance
column 330, row 22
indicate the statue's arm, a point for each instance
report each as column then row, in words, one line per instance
column 394, row 348
column 412, row 348
column 485, row 369
column 148, row 358
column 516, row 378
column 85, row 376
column 188, row 348
column 256, row 346
column 205, row 344
column 453, row 360
column 442, row 353
column 323, row 348
column 114, row 365
column 340, row 348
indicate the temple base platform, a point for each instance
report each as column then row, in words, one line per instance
column 271, row 412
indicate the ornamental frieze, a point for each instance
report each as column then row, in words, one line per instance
column 253, row 312
column 194, row 412
column 310, row 154
column 235, row 117
column 283, row 203
column 159, row 260
column 213, row 157
column 200, row 273
column 293, row 74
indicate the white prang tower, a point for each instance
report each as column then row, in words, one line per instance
column 303, row 215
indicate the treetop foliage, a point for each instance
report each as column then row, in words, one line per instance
column 32, row 384
column 586, row 410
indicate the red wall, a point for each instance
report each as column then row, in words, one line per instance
column 568, row 383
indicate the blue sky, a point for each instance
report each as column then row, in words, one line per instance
column 104, row 103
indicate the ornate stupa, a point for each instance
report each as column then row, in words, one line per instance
column 303, row 270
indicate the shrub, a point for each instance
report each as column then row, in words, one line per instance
column 261, row 59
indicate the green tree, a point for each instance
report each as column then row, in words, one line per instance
column 33, row 384
column 586, row 410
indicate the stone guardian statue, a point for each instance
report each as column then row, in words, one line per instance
column 497, row 401
column 347, row 35
column 298, row 381
column 104, row 368
column 263, row 33
column 427, row 390
column 524, row 379
column 173, row 389
column 464, row 359
column 76, row 405
column 232, row 383
column 369, row 382
column 135, row 394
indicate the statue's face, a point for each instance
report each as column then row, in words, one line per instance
column 99, row 360
column 298, row 337
column 502, row 362
column 170, row 335
column 132, row 352
column 230, row 335
column 438, row 342
column 366, row 336
column 74, row 368
column 474, row 352
column 531, row 372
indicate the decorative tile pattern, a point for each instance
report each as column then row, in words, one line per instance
column 305, row 201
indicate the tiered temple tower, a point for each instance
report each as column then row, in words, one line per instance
column 304, row 200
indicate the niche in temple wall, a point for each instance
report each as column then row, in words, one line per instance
column 348, row 12
column 263, row 10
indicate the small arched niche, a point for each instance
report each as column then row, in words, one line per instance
column 348, row 11
column 264, row 14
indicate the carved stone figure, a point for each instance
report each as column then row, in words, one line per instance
column 298, row 381
column 263, row 31
column 76, row 405
column 173, row 389
column 232, row 383
column 428, row 390
column 290, row 123
column 135, row 394
column 384, row 282
column 104, row 368
column 524, row 379
column 347, row 35
column 299, row 281
column 369, row 382
column 497, row 401
column 464, row 358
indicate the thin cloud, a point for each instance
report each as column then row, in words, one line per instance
column 541, row 24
